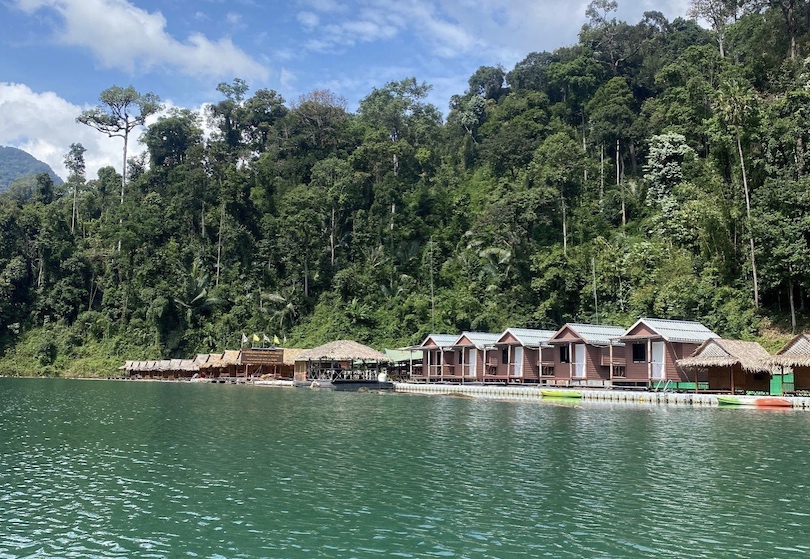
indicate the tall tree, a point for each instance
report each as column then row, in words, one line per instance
column 121, row 111
column 719, row 14
column 74, row 161
column 736, row 106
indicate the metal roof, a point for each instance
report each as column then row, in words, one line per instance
column 596, row 334
column 440, row 340
column 479, row 339
column 528, row 337
column 676, row 330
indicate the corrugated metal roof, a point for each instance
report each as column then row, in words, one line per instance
column 441, row 340
column 528, row 337
column 596, row 334
column 399, row 355
column 479, row 339
column 677, row 330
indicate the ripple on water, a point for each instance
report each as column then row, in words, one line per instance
column 166, row 470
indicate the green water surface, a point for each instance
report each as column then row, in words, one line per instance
column 127, row 469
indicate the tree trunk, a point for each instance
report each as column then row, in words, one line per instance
column 748, row 215
column 73, row 214
column 332, row 238
column 219, row 242
column 789, row 12
column 602, row 175
column 633, row 161
column 792, row 308
column 306, row 274
column 123, row 180
column 564, row 224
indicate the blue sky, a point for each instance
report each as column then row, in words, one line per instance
column 57, row 55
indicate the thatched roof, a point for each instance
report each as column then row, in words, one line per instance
column 795, row 353
column 342, row 350
column 717, row 352
column 221, row 360
column 291, row 355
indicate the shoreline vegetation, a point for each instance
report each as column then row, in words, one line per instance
column 653, row 168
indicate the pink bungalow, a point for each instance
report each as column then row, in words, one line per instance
column 653, row 347
column 583, row 354
column 473, row 355
column 438, row 357
column 522, row 355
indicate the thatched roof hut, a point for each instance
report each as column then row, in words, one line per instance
column 342, row 350
column 717, row 352
column 795, row 353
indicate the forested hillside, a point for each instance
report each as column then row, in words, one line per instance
column 652, row 169
column 17, row 164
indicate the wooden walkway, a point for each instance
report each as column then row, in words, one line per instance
column 533, row 392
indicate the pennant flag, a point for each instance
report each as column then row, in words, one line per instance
column 255, row 337
column 265, row 338
column 244, row 339
column 275, row 340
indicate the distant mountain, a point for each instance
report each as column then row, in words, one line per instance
column 16, row 163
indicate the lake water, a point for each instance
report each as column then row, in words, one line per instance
column 117, row 469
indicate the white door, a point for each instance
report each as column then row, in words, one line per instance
column 472, row 361
column 579, row 360
column 658, row 361
column 519, row 361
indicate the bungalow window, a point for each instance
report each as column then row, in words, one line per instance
column 505, row 356
column 639, row 353
column 565, row 354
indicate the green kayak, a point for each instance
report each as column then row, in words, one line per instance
column 560, row 393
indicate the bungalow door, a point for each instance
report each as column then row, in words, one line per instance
column 657, row 361
column 579, row 360
column 518, row 361
column 472, row 362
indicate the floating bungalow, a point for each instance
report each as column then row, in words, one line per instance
column 473, row 360
column 342, row 364
column 652, row 348
column 584, row 354
column 731, row 366
column 223, row 366
column 164, row 369
column 437, row 350
column 522, row 356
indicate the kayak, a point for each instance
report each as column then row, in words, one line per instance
column 560, row 393
column 756, row 401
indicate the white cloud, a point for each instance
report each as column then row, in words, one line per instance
column 121, row 35
column 308, row 20
column 507, row 30
column 325, row 6
column 44, row 125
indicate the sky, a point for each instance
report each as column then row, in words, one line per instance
column 56, row 56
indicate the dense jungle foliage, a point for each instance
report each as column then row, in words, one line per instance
column 652, row 169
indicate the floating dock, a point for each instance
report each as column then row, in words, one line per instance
column 524, row 392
